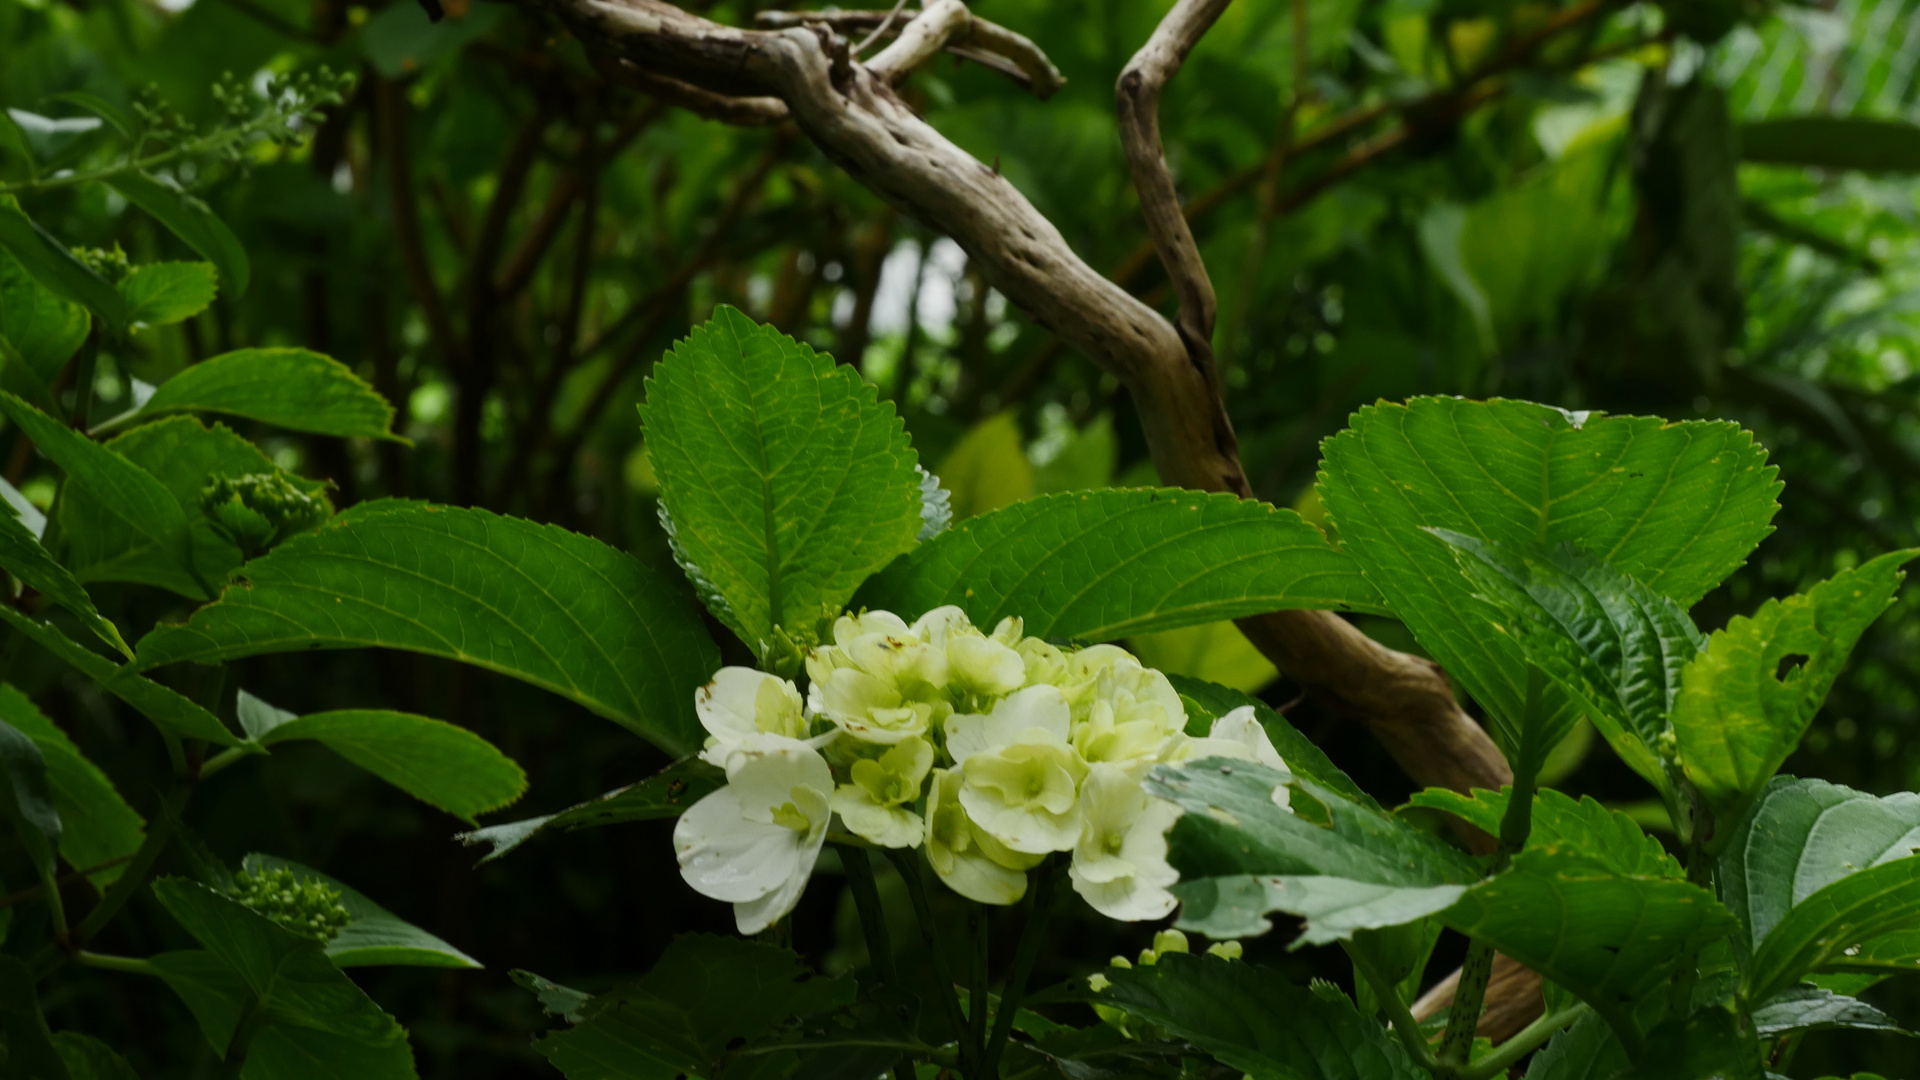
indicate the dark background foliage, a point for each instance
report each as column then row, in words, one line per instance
column 1474, row 197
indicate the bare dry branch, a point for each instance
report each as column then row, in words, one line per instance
column 738, row 111
column 923, row 36
column 985, row 43
column 1513, row 999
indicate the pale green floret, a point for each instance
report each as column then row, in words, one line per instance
column 303, row 905
column 1026, row 795
column 877, row 805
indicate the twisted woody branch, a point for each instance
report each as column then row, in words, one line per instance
column 800, row 69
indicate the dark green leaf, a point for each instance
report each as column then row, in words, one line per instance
column 679, row 1018
column 1810, row 1008
column 434, row 761
column 96, row 824
column 1207, row 702
column 87, row 1058
column 128, row 495
column 161, row 294
column 315, row 1021
column 401, row 40
column 1583, row 825
column 1822, row 927
column 1746, row 701
column 99, row 107
column 23, row 557
column 1588, row 1050
column 666, row 794
column 1609, row 641
column 553, row 608
column 26, row 799
column 43, row 328
column 1098, row 565
column 787, row 482
column 562, row 1001
column 1677, row 506
column 1865, row 144
column 52, row 265
column 189, row 219
column 1705, row 1046
column 1609, row 938
column 183, row 454
column 213, row 992
column 31, row 1052
column 290, row 388
column 151, row 700
column 1234, row 1011
column 376, row 936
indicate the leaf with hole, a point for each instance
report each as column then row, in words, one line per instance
column 784, row 480
column 558, row 610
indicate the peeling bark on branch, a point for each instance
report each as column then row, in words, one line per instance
column 860, row 124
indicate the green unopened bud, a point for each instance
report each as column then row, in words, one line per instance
column 306, row 907
column 260, row 510
column 1226, row 950
column 111, row 265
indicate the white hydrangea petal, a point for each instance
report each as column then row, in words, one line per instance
column 767, row 780
column 937, row 625
column 979, row 665
column 1120, row 862
column 887, row 826
column 1243, row 727
column 726, row 856
column 753, row 916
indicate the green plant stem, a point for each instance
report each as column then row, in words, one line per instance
column 1469, row 995
column 227, row 757
column 131, row 881
column 1524, row 1042
column 132, row 965
column 1404, row 1025
column 203, row 145
column 1039, row 907
column 83, row 375
column 907, row 862
column 977, row 990
column 873, row 923
column 56, row 906
column 1700, row 866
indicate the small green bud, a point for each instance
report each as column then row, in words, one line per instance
column 1226, row 950
column 110, row 265
column 305, row 907
column 258, row 511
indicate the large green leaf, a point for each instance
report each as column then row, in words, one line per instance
column 313, row 1020
column 1606, row 836
column 552, row 608
column 26, row 799
column 1607, row 937
column 87, row 1058
column 665, row 794
column 1810, row 1008
column 161, row 294
column 189, row 219
column 785, row 481
column 1097, row 565
column 1745, row 702
column 1586, row 1051
column 183, row 454
column 23, row 557
column 1254, row 1020
column 290, row 388
column 1342, row 865
column 1707, row 1045
column 96, row 824
column 49, row 262
column 680, row 1018
column 1866, row 144
column 1609, row 641
column 1676, row 506
column 43, row 328
column 138, row 505
column 157, row 703
column 376, row 936
column 431, row 760
column 1821, row 928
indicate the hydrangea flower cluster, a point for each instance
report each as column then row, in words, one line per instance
column 990, row 750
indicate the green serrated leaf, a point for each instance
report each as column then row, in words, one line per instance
column 1607, row 937
column 1610, row 642
column 1207, row 702
column 96, row 824
column 87, row 1058
column 189, row 219
column 1231, row 1009
column 290, row 388
column 155, row 702
column 26, row 799
column 1676, row 506
column 562, row 1001
column 1745, row 702
column 1811, row 1008
column 49, row 262
column 183, row 454
column 679, row 1019
column 1583, row 825
column 1820, row 928
column 785, row 480
column 376, row 936
column 441, row 765
column 23, row 557
column 1707, row 1045
column 128, row 495
column 1586, row 1051
column 1099, row 565
column 43, row 328
column 666, row 794
column 161, row 294
column 552, row 608
column 313, row 1019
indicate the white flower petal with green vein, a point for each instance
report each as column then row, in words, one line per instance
column 1120, row 862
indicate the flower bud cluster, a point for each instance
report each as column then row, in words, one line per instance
column 306, row 907
column 990, row 750
column 259, row 510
